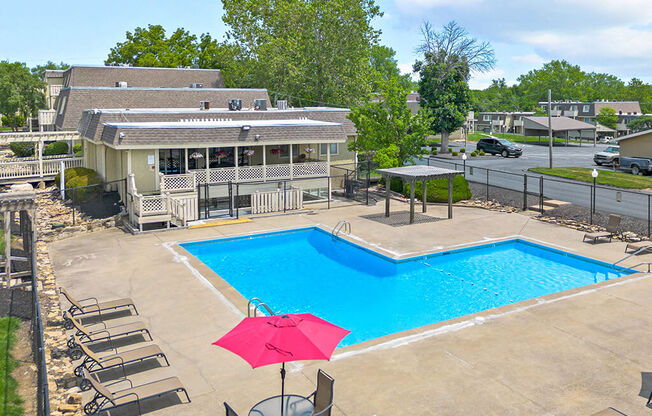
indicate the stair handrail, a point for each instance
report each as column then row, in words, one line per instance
column 342, row 225
column 648, row 247
column 258, row 305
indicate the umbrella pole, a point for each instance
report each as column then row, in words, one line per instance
column 282, row 386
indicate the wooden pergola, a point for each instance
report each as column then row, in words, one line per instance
column 414, row 174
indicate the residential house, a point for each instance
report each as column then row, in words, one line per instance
column 53, row 79
column 587, row 111
column 636, row 144
column 501, row 121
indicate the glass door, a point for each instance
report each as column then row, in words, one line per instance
column 172, row 161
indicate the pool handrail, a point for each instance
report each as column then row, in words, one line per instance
column 342, row 225
column 632, row 255
column 258, row 305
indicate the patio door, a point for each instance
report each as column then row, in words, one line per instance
column 172, row 161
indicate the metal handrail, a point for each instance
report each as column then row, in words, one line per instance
column 342, row 225
column 648, row 247
column 645, row 263
column 258, row 305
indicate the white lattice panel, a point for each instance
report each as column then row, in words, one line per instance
column 222, row 175
column 278, row 171
column 174, row 183
column 249, row 173
column 200, row 176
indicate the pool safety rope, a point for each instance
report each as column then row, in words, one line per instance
column 460, row 278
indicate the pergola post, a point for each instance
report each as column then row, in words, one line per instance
column 412, row 185
column 7, row 253
column 388, row 180
column 424, row 194
column 450, row 197
column 595, row 137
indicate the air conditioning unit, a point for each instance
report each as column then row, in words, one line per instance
column 260, row 104
column 204, row 105
column 282, row 104
column 235, row 104
column 196, row 85
column 121, row 84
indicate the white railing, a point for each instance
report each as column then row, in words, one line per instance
column 46, row 117
column 497, row 122
column 36, row 169
column 274, row 201
column 518, row 123
column 184, row 207
column 189, row 181
column 570, row 113
column 36, row 136
column 55, row 90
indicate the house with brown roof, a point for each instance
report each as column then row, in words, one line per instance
column 587, row 111
column 562, row 127
column 501, row 121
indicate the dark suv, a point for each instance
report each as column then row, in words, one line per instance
column 502, row 147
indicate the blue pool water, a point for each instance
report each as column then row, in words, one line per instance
column 307, row 270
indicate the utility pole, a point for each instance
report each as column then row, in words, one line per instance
column 549, row 129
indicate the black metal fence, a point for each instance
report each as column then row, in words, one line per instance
column 531, row 190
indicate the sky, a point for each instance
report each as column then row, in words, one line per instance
column 599, row 35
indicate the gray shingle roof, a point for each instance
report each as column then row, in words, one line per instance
column 107, row 76
column 558, row 124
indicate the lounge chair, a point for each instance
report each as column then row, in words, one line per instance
column 229, row 411
column 105, row 399
column 609, row 411
column 76, row 307
column 612, row 229
column 93, row 363
column 322, row 397
column 639, row 245
column 85, row 336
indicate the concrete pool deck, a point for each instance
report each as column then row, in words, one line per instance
column 574, row 354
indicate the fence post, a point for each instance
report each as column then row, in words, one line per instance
column 368, row 179
column 487, row 170
column 73, row 206
column 237, row 203
column 525, row 192
column 591, row 205
column 648, row 215
column 329, row 192
column 541, row 194
column 284, row 199
column 62, row 180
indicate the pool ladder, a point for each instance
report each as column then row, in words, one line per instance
column 257, row 304
column 341, row 226
column 646, row 263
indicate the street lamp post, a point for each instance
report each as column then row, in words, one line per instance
column 594, row 174
column 464, row 161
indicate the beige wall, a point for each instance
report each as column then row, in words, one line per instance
column 144, row 172
column 640, row 146
column 90, row 154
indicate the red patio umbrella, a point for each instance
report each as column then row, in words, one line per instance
column 277, row 339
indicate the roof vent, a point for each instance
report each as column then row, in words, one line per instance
column 121, row 84
column 235, row 104
column 282, row 104
column 204, row 105
column 260, row 104
column 196, row 85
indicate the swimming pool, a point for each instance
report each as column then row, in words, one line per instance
column 307, row 270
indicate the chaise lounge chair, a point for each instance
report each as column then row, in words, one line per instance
column 76, row 307
column 105, row 399
column 322, row 397
column 612, row 229
column 643, row 246
column 229, row 410
column 93, row 363
column 85, row 336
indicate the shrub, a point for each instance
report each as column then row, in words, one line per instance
column 437, row 190
column 396, row 184
column 463, row 150
column 22, row 149
column 434, row 151
column 455, row 153
column 76, row 177
column 482, row 153
column 474, row 154
column 77, row 149
column 56, row 148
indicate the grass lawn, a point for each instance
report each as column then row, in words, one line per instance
column 515, row 138
column 619, row 179
column 10, row 404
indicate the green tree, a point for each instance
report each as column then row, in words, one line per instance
column 152, row 47
column 565, row 81
column 641, row 123
column 446, row 95
column 637, row 90
column 39, row 70
column 308, row 51
column 21, row 92
column 388, row 127
column 385, row 67
column 607, row 117
column 14, row 121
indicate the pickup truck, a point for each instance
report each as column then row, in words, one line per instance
column 636, row 165
column 609, row 156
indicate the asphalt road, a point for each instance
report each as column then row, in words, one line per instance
column 612, row 200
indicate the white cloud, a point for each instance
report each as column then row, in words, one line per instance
column 480, row 81
column 530, row 59
column 429, row 4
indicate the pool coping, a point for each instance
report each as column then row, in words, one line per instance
column 239, row 304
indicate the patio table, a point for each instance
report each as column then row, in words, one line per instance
column 293, row 405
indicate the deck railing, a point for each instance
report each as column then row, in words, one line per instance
column 275, row 201
column 33, row 168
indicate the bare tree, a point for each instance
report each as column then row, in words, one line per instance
column 452, row 44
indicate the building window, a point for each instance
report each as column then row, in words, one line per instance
column 585, row 109
column 573, row 108
column 62, row 106
column 324, row 148
column 486, row 117
column 587, row 120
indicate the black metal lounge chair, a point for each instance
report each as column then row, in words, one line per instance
column 104, row 399
column 322, row 397
column 612, row 229
column 77, row 308
column 93, row 363
column 229, row 410
column 85, row 336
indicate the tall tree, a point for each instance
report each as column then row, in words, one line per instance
column 152, row 47
column 385, row 67
column 637, row 90
column 308, row 51
column 39, row 70
column 388, row 129
column 21, row 92
column 565, row 81
column 445, row 93
column 641, row 123
column 607, row 117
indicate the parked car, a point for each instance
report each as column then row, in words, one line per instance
column 502, row 147
column 636, row 165
column 609, row 156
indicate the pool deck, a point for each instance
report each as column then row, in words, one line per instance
column 569, row 354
